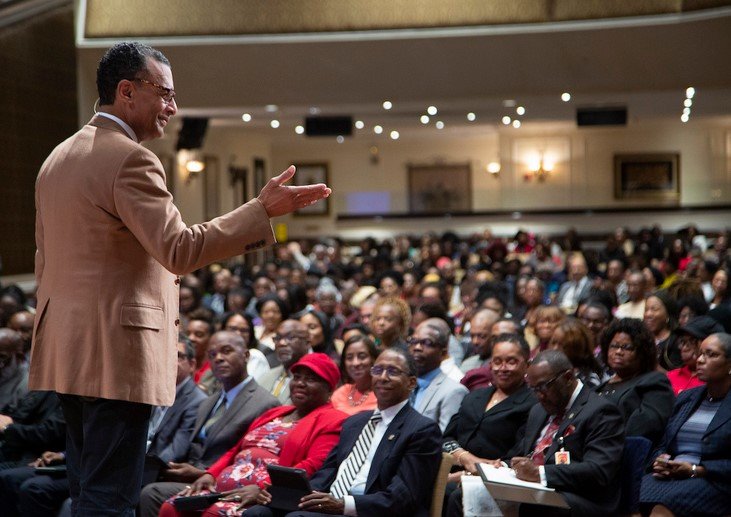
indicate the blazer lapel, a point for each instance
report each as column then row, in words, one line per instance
column 387, row 442
column 567, row 421
column 430, row 391
column 536, row 422
column 203, row 412
column 721, row 417
column 241, row 399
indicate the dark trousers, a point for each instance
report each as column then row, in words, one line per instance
column 105, row 454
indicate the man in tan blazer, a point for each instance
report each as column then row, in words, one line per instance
column 110, row 244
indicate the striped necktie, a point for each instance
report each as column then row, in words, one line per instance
column 355, row 460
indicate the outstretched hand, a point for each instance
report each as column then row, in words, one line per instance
column 280, row 199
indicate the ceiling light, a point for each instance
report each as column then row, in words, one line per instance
column 690, row 92
column 387, row 105
column 440, row 124
column 274, row 123
column 686, row 111
column 684, row 117
column 359, row 124
column 431, row 110
column 424, row 119
column 688, row 103
column 493, row 167
column 314, row 110
column 471, row 116
column 566, row 96
column 520, row 110
column 506, row 120
column 340, row 139
column 271, row 108
column 299, row 130
column 394, row 135
column 246, row 117
column 377, row 130
column 516, row 124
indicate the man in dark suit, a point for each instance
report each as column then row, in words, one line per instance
column 222, row 419
column 386, row 460
column 570, row 419
column 171, row 428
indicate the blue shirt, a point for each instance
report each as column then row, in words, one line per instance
column 228, row 397
column 422, row 383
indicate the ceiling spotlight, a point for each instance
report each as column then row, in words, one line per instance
column 424, row 119
column 516, row 124
column 314, row 110
column 340, row 139
column 686, row 111
column 274, row 123
column 387, row 105
column 507, row 120
column 520, row 110
column 440, row 124
column 299, row 130
column 271, row 108
column 394, row 135
column 690, row 92
column 684, row 118
column 359, row 124
column 377, row 130
column 471, row 116
column 431, row 110
column 246, row 117
column 566, row 96
column 688, row 103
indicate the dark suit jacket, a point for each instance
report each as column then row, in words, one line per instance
column 593, row 433
column 251, row 402
column 716, row 441
column 646, row 402
column 171, row 441
column 403, row 470
column 490, row 434
column 38, row 426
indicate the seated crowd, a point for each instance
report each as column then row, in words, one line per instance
column 601, row 372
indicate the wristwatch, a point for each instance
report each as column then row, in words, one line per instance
column 451, row 446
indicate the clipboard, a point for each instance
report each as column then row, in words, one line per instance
column 502, row 484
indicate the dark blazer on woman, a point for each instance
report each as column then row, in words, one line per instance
column 490, row 434
column 646, row 402
column 716, row 441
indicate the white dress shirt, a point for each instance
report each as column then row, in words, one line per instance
column 122, row 123
column 577, row 389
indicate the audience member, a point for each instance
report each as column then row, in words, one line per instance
column 320, row 334
column 691, row 468
column 22, row 323
column 272, row 311
column 356, row 394
column 642, row 393
column 573, row 339
column 480, row 333
column 547, row 318
column 721, row 293
column 690, row 336
column 634, row 307
column 577, row 286
column 436, row 396
column 571, row 419
column 661, row 318
column 242, row 324
column 390, row 322
column 292, row 343
column 13, row 368
column 200, row 328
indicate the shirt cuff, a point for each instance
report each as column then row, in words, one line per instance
column 542, row 473
column 349, row 506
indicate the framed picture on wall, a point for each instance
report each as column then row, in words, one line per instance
column 440, row 189
column 647, row 176
column 307, row 174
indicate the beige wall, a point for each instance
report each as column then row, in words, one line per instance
column 582, row 178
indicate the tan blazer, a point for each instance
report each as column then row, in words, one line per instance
column 110, row 244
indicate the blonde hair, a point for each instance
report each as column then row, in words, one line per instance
column 402, row 308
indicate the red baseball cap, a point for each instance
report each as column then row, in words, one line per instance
column 322, row 366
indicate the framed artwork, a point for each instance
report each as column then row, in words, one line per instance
column 260, row 175
column 308, row 173
column 648, row 176
column 440, row 189
column 211, row 206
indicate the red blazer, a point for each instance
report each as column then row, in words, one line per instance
column 306, row 447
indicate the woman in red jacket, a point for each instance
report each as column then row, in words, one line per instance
column 299, row 436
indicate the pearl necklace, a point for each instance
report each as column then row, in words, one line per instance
column 351, row 398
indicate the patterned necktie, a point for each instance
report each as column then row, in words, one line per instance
column 546, row 440
column 355, row 460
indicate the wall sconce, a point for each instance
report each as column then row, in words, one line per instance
column 192, row 162
column 494, row 169
column 539, row 169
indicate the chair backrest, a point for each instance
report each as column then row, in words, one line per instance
column 440, row 485
column 634, row 459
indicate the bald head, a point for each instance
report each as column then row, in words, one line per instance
column 440, row 330
column 11, row 345
column 22, row 323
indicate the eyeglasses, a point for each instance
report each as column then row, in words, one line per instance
column 390, row 371
column 289, row 338
column 167, row 94
column 627, row 347
column 544, row 386
column 426, row 342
